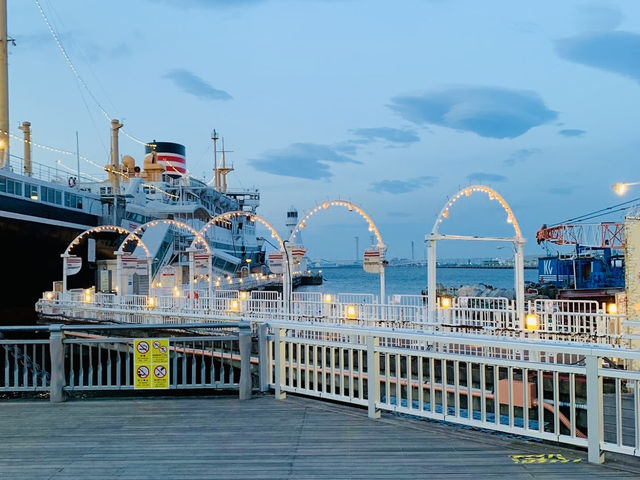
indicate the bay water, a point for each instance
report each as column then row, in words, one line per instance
column 411, row 280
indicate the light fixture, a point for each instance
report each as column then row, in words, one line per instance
column 445, row 302
column 243, row 295
column 328, row 298
column 235, row 305
column 612, row 308
column 351, row 311
column 531, row 321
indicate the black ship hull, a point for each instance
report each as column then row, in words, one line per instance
column 31, row 247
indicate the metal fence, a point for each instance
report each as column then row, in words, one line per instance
column 568, row 320
column 516, row 386
column 88, row 358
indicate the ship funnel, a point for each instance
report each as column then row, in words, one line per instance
column 170, row 155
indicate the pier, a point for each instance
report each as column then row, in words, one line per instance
column 264, row 438
column 560, row 371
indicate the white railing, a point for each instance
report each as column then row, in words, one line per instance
column 574, row 321
column 434, row 376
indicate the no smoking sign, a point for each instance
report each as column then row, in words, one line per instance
column 151, row 363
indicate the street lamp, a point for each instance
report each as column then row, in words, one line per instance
column 622, row 187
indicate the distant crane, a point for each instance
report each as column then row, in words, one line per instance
column 599, row 235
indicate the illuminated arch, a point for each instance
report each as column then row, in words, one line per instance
column 199, row 239
column 240, row 214
column 493, row 195
column 106, row 228
column 339, row 203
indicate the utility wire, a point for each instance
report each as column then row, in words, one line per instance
column 602, row 211
column 76, row 73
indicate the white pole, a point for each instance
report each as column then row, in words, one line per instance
column 191, row 271
column 210, row 274
column 431, row 280
column 520, row 281
column 119, row 272
column 383, row 300
column 286, row 280
column 150, row 274
column 64, row 272
column 4, row 88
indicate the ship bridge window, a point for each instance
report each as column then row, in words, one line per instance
column 10, row 186
column 72, row 200
column 31, row 191
column 51, row 195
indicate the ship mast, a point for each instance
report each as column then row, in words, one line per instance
column 216, row 176
column 4, row 88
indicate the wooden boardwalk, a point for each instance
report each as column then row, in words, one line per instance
column 297, row 438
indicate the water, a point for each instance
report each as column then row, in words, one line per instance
column 411, row 280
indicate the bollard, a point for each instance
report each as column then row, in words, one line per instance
column 244, row 329
column 264, row 362
column 56, row 352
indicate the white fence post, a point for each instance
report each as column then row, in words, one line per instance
column 56, row 352
column 244, row 341
column 279, row 347
column 373, row 380
column 594, row 409
column 263, row 357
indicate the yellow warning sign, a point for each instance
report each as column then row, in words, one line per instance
column 151, row 363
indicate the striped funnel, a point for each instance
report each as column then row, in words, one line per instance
column 171, row 155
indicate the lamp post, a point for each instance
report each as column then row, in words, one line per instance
column 622, row 187
column 286, row 279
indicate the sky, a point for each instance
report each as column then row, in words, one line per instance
column 394, row 106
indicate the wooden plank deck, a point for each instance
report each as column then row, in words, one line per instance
column 297, row 438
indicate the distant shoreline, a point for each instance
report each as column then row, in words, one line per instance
column 477, row 267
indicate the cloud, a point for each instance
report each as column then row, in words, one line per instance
column 572, row 132
column 599, row 17
column 91, row 51
column 194, row 85
column 211, row 3
column 486, row 177
column 521, row 155
column 492, row 112
column 561, row 189
column 403, row 186
column 615, row 52
column 393, row 135
column 301, row 160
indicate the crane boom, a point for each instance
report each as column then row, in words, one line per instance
column 602, row 235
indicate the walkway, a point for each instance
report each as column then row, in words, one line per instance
column 221, row 437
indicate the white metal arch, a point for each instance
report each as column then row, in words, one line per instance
column 286, row 275
column 198, row 238
column 467, row 192
column 238, row 214
column 99, row 229
column 175, row 223
column 351, row 207
column 339, row 203
column 105, row 228
column 517, row 240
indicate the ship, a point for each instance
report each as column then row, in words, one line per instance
column 43, row 209
column 593, row 269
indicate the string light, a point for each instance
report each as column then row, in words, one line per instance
column 339, row 203
column 493, row 195
column 171, row 195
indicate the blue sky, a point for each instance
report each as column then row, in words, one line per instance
column 394, row 106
